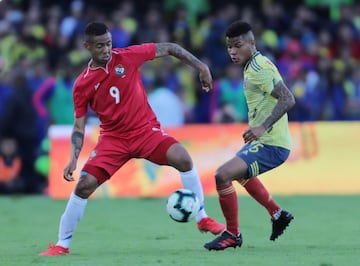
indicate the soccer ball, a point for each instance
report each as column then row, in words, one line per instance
column 182, row 205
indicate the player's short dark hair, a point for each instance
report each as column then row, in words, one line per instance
column 96, row 29
column 237, row 28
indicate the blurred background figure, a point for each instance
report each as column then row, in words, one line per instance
column 228, row 97
column 166, row 104
column 10, row 167
column 352, row 89
column 213, row 46
column 55, row 92
column 18, row 122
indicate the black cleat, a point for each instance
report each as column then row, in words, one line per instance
column 225, row 240
column 279, row 225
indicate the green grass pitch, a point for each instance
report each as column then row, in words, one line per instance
column 325, row 232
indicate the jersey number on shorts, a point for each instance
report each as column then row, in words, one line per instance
column 115, row 93
column 255, row 147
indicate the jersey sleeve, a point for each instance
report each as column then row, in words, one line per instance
column 80, row 101
column 140, row 53
column 266, row 79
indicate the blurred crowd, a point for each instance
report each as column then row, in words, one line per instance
column 315, row 44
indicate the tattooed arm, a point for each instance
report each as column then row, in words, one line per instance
column 285, row 102
column 164, row 49
column 77, row 140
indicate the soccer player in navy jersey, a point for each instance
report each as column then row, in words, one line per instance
column 111, row 85
column 267, row 140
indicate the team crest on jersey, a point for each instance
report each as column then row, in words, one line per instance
column 92, row 154
column 120, row 70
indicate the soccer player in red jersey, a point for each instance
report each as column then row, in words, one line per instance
column 111, row 85
column 267, row 140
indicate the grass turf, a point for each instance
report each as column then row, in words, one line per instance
column 128, row 232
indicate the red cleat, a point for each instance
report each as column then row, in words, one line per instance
column 208, row 224
column 54, row 250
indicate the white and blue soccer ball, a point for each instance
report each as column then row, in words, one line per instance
column 183, row 205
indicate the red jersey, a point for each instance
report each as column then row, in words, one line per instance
column 116, row 92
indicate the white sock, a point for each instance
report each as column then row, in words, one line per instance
column 73, row 213
column 191, row 181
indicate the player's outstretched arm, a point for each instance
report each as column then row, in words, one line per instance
column 77, row 140
column 164, row 49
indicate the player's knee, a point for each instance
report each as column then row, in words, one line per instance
column 179, row 158
column 86, row 186
column 222, row 177
column 184, row 164
column 82, row 193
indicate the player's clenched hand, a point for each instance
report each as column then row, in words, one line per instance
column 253, row 133
column 68, row 171
column 205, row 78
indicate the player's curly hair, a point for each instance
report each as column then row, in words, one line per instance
column 237, row 28
column 96, row 29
